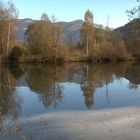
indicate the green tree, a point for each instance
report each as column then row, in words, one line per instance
column 15, row 54
column 87, row 31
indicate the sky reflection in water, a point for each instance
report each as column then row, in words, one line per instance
column 37, row 89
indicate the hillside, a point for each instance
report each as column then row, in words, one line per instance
column 21, row 29
column 70, row 30
column 126, row 29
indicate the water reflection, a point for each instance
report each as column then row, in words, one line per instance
column 42, row 88
column 44, row 80
column 48, row 82
column 98, row 76
column 16, row 71
column 9, row 99
column 133, row 75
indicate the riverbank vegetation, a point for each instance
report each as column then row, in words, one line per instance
column 43, row 40
column 8, row 24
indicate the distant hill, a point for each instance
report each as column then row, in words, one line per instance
column 70, row 30
column 126, row 29
column 131, row 35
column 21, row 29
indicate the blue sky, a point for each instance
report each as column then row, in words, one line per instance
column 68, row 10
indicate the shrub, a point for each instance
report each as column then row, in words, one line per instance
column 15, row 54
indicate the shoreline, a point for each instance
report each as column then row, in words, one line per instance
column 107, row 124
column 67, row 61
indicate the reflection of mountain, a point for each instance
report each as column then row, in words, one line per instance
column 133, row 74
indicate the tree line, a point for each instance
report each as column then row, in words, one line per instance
column 96, row 44
column 43, row 40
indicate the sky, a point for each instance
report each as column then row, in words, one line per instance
column 69, row 10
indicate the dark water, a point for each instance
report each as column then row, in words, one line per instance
column 32, row 90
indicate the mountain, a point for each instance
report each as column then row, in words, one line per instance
column 21, row 28
column 70, row 30
column 126, row 29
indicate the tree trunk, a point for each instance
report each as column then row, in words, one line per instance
column 8, row 38
column 87, row 47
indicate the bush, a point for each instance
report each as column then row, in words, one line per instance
column 16, row 71
column 24, row 50
column 15, row 54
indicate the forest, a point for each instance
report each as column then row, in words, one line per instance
column 43, row 40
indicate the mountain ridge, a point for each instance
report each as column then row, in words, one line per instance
column 70, row 30
column 126, row 29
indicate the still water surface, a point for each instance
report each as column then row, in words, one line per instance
column 29, row 91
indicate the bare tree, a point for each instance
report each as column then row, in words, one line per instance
column 8, row 16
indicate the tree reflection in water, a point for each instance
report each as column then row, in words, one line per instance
column 9, row 100
column 47, row 81
column 44, row 80
column 133, row 75
column 97, row 76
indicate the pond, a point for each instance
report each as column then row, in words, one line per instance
column 71, row 101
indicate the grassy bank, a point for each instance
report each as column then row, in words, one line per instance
column 43, row 59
